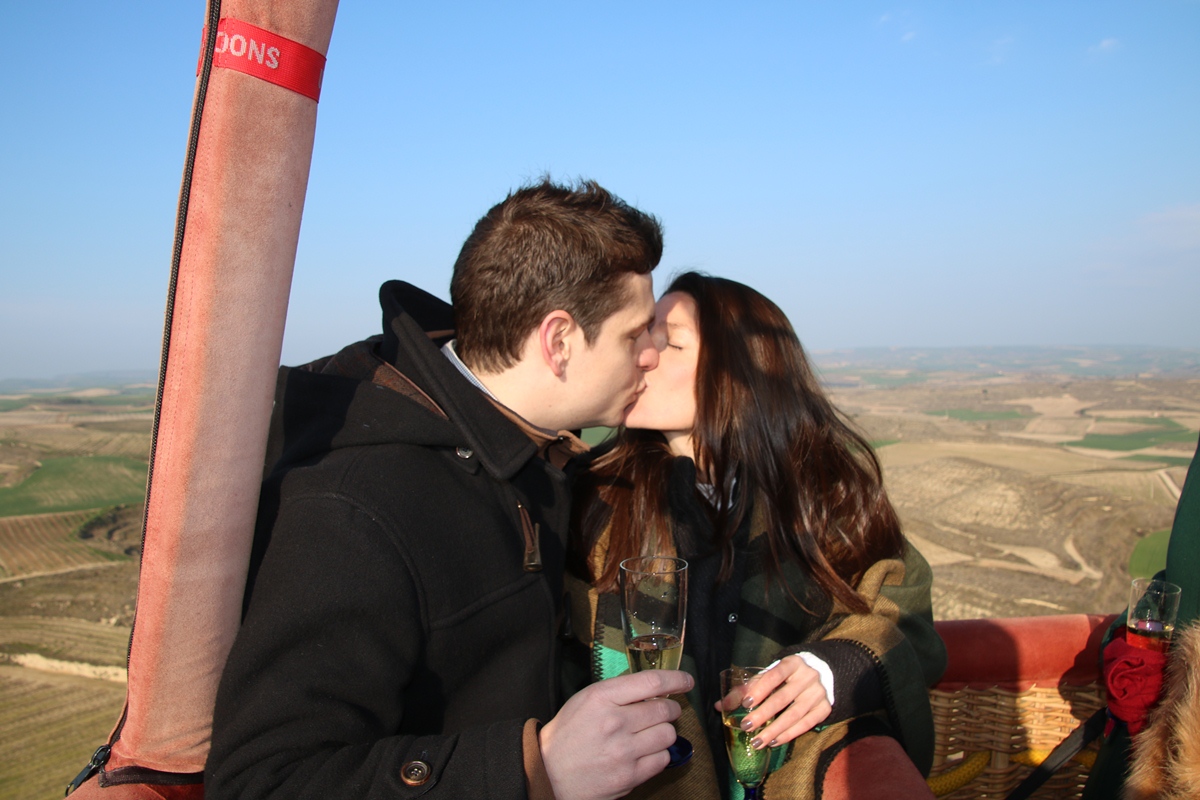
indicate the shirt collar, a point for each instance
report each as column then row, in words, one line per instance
column 452, row 356
column 556, row 447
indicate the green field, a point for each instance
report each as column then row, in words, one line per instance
column 1149, row 555
column 1170, row 461
column 1161, row 431
column 970, row 415
column 134, row 399
column 71, row 484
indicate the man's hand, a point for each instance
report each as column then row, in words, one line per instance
column 613, row 735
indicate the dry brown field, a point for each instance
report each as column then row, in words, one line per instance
column 50, row 723
column 38, row 544
column 68, row 581
column 128, row 436
column 1015, row 520
column 66, row 639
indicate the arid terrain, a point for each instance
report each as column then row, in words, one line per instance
column 72, row 479
column 1029, row 497
column 1028, row 488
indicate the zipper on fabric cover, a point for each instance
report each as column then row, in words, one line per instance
column 99, row 759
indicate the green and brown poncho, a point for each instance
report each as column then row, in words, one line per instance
column 882, row 662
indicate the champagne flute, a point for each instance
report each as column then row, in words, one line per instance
column 1153, row 609
column 653, row 617
column 748, row 764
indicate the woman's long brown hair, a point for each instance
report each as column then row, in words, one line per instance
column 763, row 424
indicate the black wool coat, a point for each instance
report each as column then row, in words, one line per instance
column 390, row 617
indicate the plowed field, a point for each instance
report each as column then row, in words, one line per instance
column 65, row 639
column 42, row 543
column 49, row 726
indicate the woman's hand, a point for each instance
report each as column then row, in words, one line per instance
column 792, row 693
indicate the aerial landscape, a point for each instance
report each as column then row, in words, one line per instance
column 1036, row 489
column 981, row 219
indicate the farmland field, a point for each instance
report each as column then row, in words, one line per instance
column 1015, row 517
column 1152, row 432
column 65, row 639
column 128, row 437
column 70, row 484
column 46, row 543
column 971, row 415
column 1150, row 555
column 49, row 726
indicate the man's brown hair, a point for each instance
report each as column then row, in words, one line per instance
column 543, row 248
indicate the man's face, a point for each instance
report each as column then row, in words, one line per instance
column 607, row 376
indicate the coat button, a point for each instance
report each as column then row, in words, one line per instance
column 463, row 452
column 414, row 773
column 733, row 617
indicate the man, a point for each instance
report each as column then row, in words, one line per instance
column 400, row 637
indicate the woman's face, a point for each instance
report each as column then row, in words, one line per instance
column 668, row 403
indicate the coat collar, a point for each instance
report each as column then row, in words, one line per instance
column 414, row 325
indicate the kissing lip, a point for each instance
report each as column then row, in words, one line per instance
column 636, row 395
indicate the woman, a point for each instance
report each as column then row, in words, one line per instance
column 734, row 459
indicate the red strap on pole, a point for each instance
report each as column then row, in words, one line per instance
column 249, row 49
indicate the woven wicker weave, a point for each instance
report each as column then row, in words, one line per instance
column 1006, row 723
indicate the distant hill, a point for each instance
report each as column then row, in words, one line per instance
column 1045, row 362
column 1083, row 361
column 81, row 380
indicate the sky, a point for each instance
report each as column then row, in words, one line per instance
column 922, row 174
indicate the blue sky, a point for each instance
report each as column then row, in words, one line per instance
column 919, row 174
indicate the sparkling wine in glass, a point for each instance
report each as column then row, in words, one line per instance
column 1153, row 608
column 748, row 764
column 653, row 617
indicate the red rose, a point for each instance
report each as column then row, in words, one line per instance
column 1133, row 678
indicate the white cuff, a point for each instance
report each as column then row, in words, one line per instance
column 823, row 671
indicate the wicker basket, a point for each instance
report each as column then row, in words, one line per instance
column 1014, row 690
column 1006, row 724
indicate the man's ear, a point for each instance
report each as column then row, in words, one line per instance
column 554, row 339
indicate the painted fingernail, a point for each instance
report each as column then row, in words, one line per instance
column 757, row 743
column 773, row 742
column 748, row 702
column 747, row 725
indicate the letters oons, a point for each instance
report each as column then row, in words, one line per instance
column 238, row 46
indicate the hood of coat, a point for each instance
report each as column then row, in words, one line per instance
column 351, row 399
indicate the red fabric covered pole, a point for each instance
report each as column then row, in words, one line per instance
column 226, row 332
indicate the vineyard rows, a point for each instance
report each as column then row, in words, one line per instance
column 49, row 726
column 44, row 543
column 66, row 639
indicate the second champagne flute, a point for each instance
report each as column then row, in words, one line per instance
column 748, row 763
column 654, row 616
